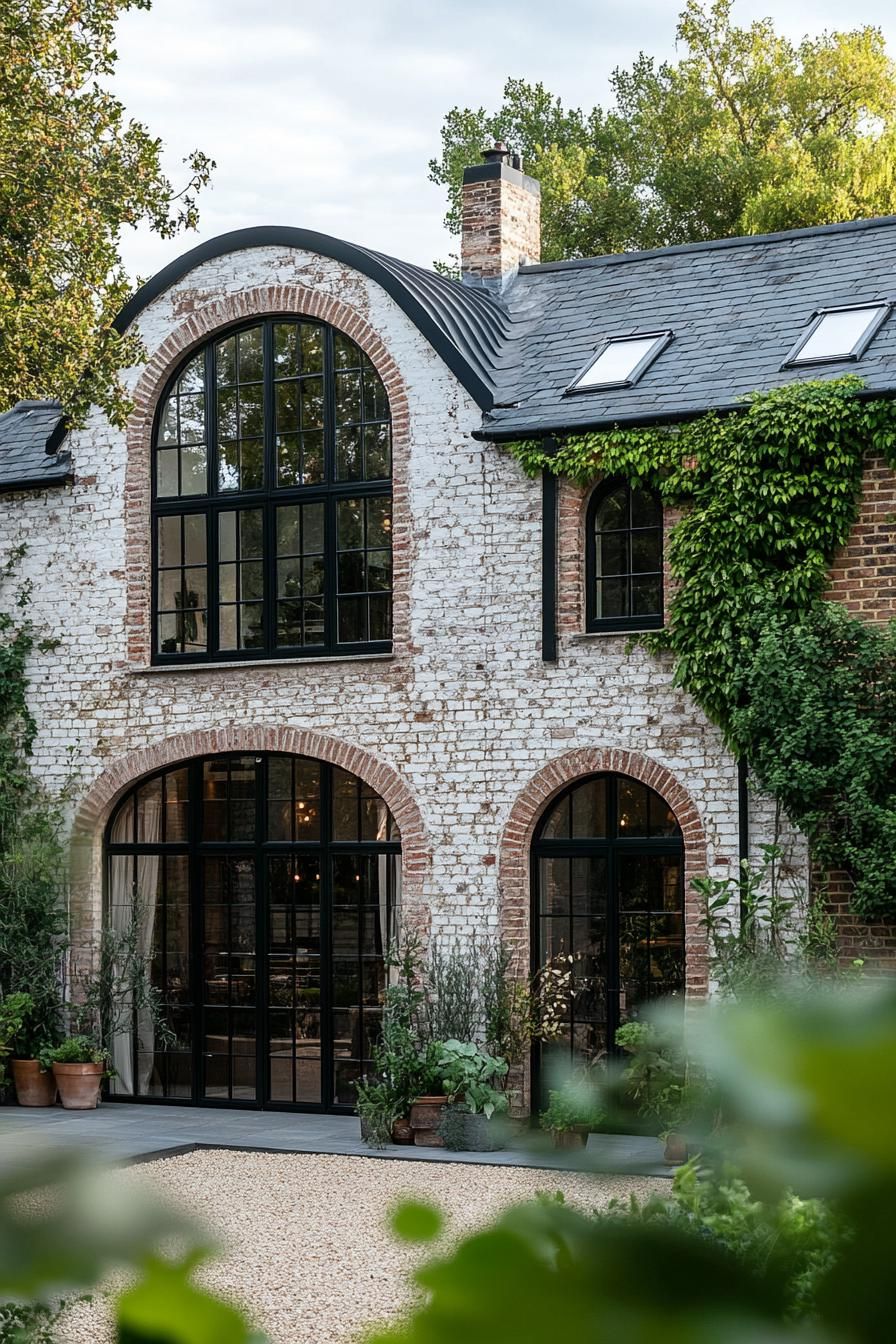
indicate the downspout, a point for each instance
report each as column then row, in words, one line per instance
column 743, row 825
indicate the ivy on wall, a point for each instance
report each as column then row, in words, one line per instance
column 804, row 691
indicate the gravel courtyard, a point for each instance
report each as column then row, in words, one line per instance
column 306, row 1246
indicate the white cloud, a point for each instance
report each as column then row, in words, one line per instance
column 325, row 116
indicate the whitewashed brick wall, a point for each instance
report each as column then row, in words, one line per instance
column 467, row 715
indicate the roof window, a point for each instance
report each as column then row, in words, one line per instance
column 838, row 333
column 620, row 361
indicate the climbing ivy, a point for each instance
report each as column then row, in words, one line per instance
column 767, row 496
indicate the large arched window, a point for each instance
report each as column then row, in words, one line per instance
column 608, row 892
column 272, row 501
column 263, row 891
column 624, row 558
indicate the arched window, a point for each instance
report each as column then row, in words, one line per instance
column 272, row 500
column 624, row 558
column 263, row 890
column 608, row 904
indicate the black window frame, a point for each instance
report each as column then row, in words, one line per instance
column 327, row 848
column 611, row 847
column 880, row 306
column 595, row 624
column 215, row 502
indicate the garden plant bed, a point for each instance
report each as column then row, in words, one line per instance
column 307, row 1248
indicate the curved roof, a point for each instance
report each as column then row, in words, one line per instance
column 466, row 325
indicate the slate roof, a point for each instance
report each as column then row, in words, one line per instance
column 31, row 452
column 736, row 308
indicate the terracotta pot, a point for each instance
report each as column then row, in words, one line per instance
column 34, row 1086
column 79, row 1085
column 426, row 1117
column 675, row 1151
column 401, row 1131
column 569, row 1138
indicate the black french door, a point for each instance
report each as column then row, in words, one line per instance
column 607, row 911
column 268, row 951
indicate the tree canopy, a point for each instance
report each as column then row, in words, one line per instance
column 746, row 133
column 74, row 171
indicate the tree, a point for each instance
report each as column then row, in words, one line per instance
column 747, row 133
column 74, row 171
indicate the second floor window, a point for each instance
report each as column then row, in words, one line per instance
column 624, row 559
column 272, row 499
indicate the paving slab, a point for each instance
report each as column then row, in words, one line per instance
column 121, row 1132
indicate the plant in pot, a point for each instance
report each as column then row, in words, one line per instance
column 429, row 1100
column 667, row 1089
column 469, row 1076
column 378, row 1111
column 78, row 1065
column 572, row 1113
column 20, row 1035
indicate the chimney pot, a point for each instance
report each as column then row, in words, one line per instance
column 501, row 210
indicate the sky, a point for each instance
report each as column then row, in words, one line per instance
column 325, row 116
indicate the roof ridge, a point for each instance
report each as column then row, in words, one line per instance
column 712, row 244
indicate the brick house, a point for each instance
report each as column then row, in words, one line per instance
column 326, row 653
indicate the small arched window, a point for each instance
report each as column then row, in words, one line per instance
column 624, row 558
column 272, row 499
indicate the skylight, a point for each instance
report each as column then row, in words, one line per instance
column 621, row 361
column 838, row 333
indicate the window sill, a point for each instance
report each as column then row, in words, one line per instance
column 585, row 636
column 151, row 669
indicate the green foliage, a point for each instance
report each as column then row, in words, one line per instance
column 741, row 1252
column 792, row 1239
column 818, row 705
column 746, row 133
column 33, row 923
column 416, row 1222
column 800, row 689
column 758, row 934
column 378, row 1107
column 75, row 171
column 665, row 1086
column 14, row 1011
column 469, row 1076
column 74, row 1050
column 572, row 1106
column 52, row 1249
column 27, row 1324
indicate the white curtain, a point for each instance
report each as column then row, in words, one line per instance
column 135, row 879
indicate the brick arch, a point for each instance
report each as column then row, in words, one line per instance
column 514, row 878
column 95, row 808
column 260, row 301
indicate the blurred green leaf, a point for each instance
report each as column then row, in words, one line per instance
column 166, row 1307
column 415, row 1221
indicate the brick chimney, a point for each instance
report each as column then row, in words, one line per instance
column 501, row 211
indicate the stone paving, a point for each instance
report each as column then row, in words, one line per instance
column 123, row 1132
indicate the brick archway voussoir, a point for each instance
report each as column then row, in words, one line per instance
column 550, row 780
column 96, row 805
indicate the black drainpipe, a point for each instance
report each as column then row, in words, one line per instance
column 743, row 822
column 549, row 557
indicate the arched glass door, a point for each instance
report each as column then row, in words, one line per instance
column 263, row 890
column 608, row 890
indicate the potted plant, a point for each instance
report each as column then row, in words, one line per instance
column 79, row 1066
column 377, row 1111
column 571, row 1114
column 35, row 1085
column 428, row 1097
column 469, row 1075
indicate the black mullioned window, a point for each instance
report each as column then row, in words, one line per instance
column 272, row 499
column 624, row 558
